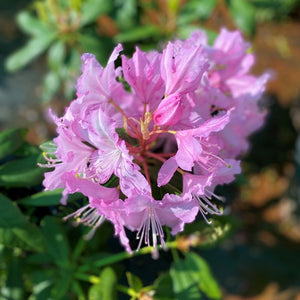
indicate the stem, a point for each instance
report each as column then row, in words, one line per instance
column 162, row 131
column 119, row 109
column 145, row 166
column 124, row 255
column 156, row 156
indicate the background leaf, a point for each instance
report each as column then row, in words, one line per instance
column 22, row 172
column 32, row 49
column 45, row 198
column 10, row 141
column 15, row 230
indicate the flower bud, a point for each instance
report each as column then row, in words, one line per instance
column 169, row 110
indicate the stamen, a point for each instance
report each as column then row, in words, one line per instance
column 150, row 222
column 206, row 206
column 88, row 216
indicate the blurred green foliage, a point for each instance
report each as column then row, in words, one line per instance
column 64, row 29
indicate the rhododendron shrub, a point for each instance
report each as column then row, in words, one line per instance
column 185, row 112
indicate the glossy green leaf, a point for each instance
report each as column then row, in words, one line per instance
column 22, row 172
column 192, row 276
column 10, row 141
column 93, row 9
column 56, row 240
column 184, row 286
column 32, row 49
column 138, row 33
column 203, row 275
column 46, row 198
column 31, row 25
column 15, row 230
column 243, row 14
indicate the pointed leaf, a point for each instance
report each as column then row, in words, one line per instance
column 33, row 48
column 31, row 25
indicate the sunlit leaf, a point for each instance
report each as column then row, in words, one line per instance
column 191, row 277
column 105, row 288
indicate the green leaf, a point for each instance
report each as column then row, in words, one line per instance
column 56, row 55
column 196, row 10
column 31, row 25
column 22, row 172
column 163, row 287
column 93, row 9
column 32, row 49
column 10, row 141
column 15, row 230
column 95, row 45
column 243, row 14
column 51, row 84
column 10, row 215
column 46, row 198
column 105, row 289
column 192, row 275
column 62, row 285
column 138, row 33
column 14, row 283
column 134, row 282
column 126, row 14
column 184, row 287
column 56, row 240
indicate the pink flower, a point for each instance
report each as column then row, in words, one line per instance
column 183, row 115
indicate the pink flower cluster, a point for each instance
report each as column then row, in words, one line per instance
column 187, row 110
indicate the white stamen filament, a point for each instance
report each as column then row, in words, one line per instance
column 150, row 222
column 206, row 207
column 88, row 216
